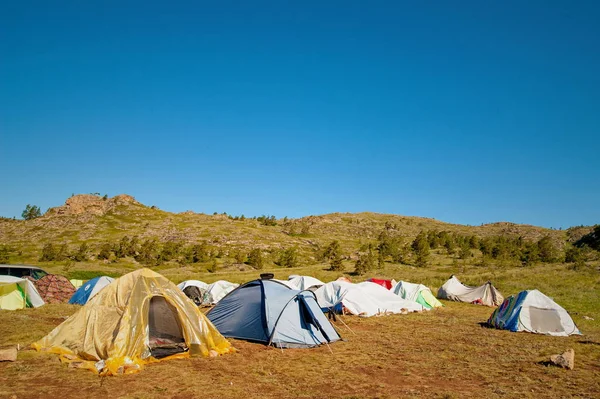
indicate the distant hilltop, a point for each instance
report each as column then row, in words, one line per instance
column 90, row 203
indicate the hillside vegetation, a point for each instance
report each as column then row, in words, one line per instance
column 92, row 232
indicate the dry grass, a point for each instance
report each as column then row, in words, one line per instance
column 444, row 353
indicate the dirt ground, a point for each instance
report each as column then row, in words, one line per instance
column 444, row 353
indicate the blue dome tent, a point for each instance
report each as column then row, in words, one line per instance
column 89, row 289
column 270, row 312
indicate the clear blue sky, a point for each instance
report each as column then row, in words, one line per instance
column 465, row 111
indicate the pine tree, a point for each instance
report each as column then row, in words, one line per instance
column 31, row 212
column 420, row 247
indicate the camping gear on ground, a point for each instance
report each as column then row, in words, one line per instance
column 387, row 284
column 18, row 293
column 194, row 289
column 54, row 288
column 304, row 282
column 270, row 312
column 485, row 294
column 137, row 319
column 416, row 292
column 363, row 299
column 534, row 312
column 217, row 290
column 89, row 289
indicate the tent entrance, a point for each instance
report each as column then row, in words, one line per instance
column 165, row 336
column 545, row 320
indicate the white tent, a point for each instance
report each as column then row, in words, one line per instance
column 202, row 286
column 534, row 312
column 485, row 294
column 304, row 282
column 364, row 299
column 18, row 293
column 416, row 292
column 217, row 290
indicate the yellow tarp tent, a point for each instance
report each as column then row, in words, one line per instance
column 116, row 331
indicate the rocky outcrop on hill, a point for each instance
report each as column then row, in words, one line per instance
column 90, row 204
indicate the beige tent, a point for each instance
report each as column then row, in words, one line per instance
column 486, row 294
column 137, row 319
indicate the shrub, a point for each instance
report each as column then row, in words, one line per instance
column 255, row 259
column 288, row 258
column 48, row 253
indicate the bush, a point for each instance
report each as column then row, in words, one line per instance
column 4, row 254
column 288, row 258
column 255, row 259
column 82, row 253
column 48, row 253
column 213, row 267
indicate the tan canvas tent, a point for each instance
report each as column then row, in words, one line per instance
column 485, row 294
column 137, row 319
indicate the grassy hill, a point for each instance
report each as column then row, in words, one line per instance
column 445, row 353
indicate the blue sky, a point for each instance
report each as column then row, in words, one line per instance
column 468, row 112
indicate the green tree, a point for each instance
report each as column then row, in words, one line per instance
column 170, row 250
column 530, row 254
column 255, row 259
column 82, row 253
column 365, row 261
column 465, row 250
column 548, row 252
column 420, row 247
column 200, row 252
column 288, row 258
column 48, row 253
column 240, row 256
column 31, row 212
column 105, row 251
column 62, row 253
column 148, row 253
column 333, row 254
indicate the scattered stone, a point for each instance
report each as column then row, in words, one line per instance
column 8, row 354
column 587, row 318
column 565, row 360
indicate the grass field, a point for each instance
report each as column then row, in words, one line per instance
column 445, row 353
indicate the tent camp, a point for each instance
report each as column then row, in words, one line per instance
column 217, row 290
column 89, row 289
column 387, row 284
column 534, row 312
column 454, row 290
column 416, row 292
column 304, row 282
column 140, row 317
column 54, row 288
column 18, row 293
column 363, row 299
column 270, row 312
